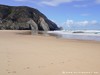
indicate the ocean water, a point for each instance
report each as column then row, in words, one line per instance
column 79, row 35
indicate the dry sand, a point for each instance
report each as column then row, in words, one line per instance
column 24, row 54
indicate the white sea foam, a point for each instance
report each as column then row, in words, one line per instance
column 79, row 34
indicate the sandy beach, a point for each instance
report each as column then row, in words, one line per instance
column 24, row 54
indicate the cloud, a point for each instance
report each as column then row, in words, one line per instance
column 86, row 14
column 70, row 23
column 79, row 6
column 56, row 2
column 97, row 1
column 49, row 2
column 21, row 0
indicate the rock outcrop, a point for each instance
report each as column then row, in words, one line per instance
column 43, row 24
column 19, row 17
column 34, row 26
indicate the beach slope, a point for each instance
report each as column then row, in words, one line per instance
column 25, row 54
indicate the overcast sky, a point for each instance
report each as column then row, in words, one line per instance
column 73, row 14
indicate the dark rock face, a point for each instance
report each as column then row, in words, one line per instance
column 16, row 18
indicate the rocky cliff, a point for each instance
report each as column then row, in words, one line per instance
column 17, row 17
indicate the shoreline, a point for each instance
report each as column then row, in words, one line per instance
column 77, row 36
column 54, row 35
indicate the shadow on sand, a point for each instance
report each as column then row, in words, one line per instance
column 24, row 33
column 41, row 33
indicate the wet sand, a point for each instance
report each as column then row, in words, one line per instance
column 25, row 54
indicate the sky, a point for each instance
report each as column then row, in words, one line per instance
column 69, row 14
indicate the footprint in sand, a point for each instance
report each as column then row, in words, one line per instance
column 62, row 62
column 27, row 67
column 9, row 72
column 9, row 58
column 41, row 66
column 8, row 61
column 51, row 63
column 7, row 69
column 69, row 60
column 13, row 71
column 8, row 64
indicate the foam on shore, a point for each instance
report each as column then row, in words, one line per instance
column 81, row 35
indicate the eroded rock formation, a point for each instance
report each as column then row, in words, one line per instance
column 16, row 18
